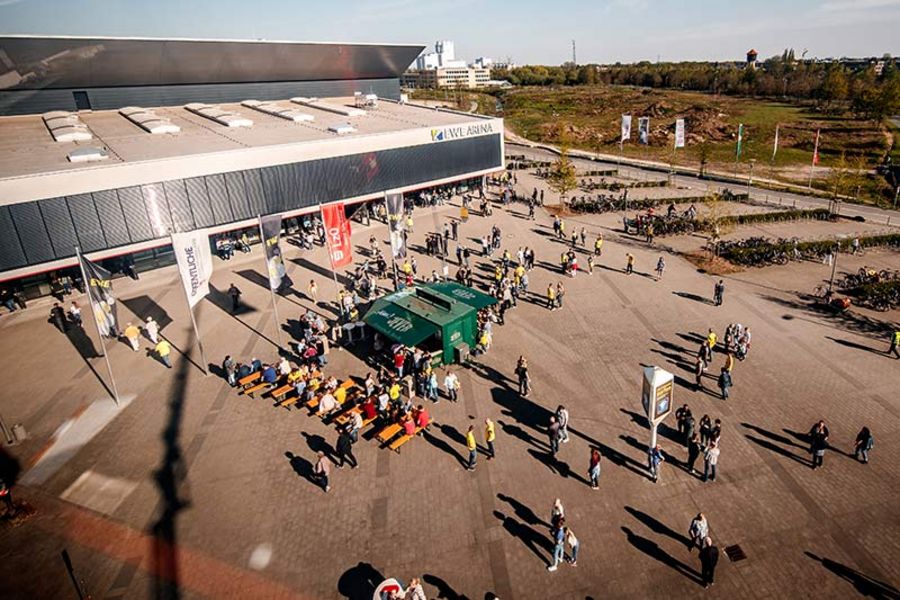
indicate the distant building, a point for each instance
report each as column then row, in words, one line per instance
column 752, row 55
column 441, row 69
column 447, row 77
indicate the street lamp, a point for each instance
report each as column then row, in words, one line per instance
column 750, row 177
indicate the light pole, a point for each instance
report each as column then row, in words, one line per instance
column 750, row 177
column 837, row 249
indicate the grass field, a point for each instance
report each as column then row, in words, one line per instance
column 589, row 118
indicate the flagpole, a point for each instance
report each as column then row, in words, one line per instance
column 387, row 220
column 812, row 166
column 775, row 148
column 87, row 288
column 331, row 261
column 193, row 320
column 262, row 237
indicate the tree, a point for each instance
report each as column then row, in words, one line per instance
column 835, row 87
column 704, row 151
column 561, row 177
column 840, row 178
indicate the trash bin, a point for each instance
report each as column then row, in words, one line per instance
column 19, row 433
column 461, row 353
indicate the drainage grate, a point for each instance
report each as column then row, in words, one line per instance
column 735, row 553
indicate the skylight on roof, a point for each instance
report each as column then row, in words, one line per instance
column 222, row 117
column 277, row 110
column 66, row 127
column 148, row 120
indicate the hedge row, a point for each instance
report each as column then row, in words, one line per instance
column 678, row 225
column 615, row 185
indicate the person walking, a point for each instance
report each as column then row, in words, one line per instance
column 75, row 313
column 660, row 268
column 344, row 448
column 322, row 470
column 524, row 379
column 693, row 448
column 698, row 531
column 594, row 469
column 490, row 434
column 562, row 416
column 133, row 335
column 598, row 245
column 699, row 368
column 709, row 558
column 629, row 264
column 451, row 384
column 472, row 446
column 312, row 291
column 719, row 292
column 551, row 297
column 574, row 545
column 557, row 515
column 724, row 382
column 705, row 429
column 710, row 462
column 654, row 459
column 235, row 294
column 553, row 436
column 560, row 293
column 818, row 436
column 864, row 443
column 58, row 316
column 163, row 349
column 895, row 344
column 559, row 548
column 152, row 329
column 230, row 368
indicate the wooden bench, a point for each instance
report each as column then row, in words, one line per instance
column 385, row 435
column 279, row 392
column 397, row 443
column 249, row 379
column 313, row 403
column 344, row 418
column 249, row 391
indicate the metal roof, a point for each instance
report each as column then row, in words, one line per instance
column 49, row 62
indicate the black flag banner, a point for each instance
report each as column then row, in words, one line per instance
column 103, row 303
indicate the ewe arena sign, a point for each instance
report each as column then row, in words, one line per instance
column 461, row 131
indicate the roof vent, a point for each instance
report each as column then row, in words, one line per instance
column 147, row 120
column 342, row 129
column 66, row 127
column 222, row 117
column 277, row 110
column 87, row 154
column 346, row 111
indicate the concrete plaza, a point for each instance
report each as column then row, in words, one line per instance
column 190, row 490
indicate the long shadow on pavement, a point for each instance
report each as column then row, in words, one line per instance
column 657, row 526
column 865, row 585
column 445, row 447
column 443, row 588
column 532, row 539
column 652, row 549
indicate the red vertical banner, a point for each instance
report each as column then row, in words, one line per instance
column 337, row 232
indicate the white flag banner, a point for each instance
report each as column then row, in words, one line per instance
column 679, row 133
column 775, row 147
column 194, row 263
column 626, row 127
column 644, row 130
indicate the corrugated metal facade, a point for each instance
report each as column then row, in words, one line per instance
column 35, row 232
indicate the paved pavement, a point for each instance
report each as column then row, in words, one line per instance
column 194, row 492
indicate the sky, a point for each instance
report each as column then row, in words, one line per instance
column 528, row 31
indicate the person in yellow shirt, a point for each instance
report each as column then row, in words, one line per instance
column 407, row 268
column 472, row 446
column 340, row 394
column 598, row 245
column 489, row 436
column 551, row 297
column 711, row 339
column 394, row 392
column 133, row 335
column 163, row 349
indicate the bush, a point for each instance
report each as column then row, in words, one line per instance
column 759, row 252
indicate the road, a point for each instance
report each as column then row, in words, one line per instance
column 712, row 182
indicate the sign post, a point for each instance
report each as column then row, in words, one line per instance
column 657, row 397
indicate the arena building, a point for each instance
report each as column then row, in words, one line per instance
column 109, row 144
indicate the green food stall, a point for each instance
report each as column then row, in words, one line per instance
column 441, row 318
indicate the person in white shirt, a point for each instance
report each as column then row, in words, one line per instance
column 284, row 367
column 451, row 383
column 327, row 404
column 152, row 329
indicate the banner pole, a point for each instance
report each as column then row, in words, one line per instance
column 262, row 237
column 331, row 262
column 87, row 288
column 193, row 320
column 387, row 220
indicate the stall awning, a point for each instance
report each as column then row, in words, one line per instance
column 399, row 324
column 464, row 294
